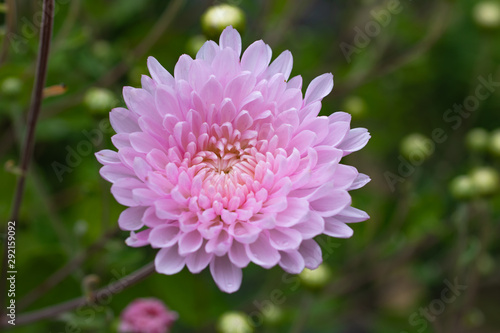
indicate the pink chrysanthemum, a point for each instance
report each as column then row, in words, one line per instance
column 146, row 315
column 226, row 162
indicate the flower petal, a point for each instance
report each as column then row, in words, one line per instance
column 131, row 218
column 226, row 275
column 319, row 88
column 168, row 261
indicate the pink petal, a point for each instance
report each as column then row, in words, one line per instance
column 352, row 215
column 297, row 208
column 238, row 255
column 123, row 120
column 138, row 239
column 332, row 203
column 319, row 88
column 190, row 242
column 285, row 238
column 336, row 228
column 168, row 261
column 262, row 252
column 164, row 236
column 230, row 38
column 282, row 64
column 159, row 73
column 256, row 58
column 107, row 156
column 181, row 70
column 226, row 275
column 292, row 262
column 356, row 139
column 131, row 218
column 208, row 51
column 311, row 226
column 311, row 252
column 167, row 209
column 360, row 181
column 197, row 261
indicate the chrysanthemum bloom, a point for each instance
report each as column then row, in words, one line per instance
column 227, row 163
column 146, row 315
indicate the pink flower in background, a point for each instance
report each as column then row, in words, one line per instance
column 227, row 163
column 146, row 315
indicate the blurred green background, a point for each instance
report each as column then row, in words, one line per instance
column 412, row 72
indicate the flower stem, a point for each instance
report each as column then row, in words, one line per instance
column 29, row 142
column 103, row 293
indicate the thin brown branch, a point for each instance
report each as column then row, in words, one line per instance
column 29, row 142
column 103, row 293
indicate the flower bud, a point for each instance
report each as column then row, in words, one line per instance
column 234, row 322
column 487, row 14
column 316, row 278
column 356, row 106
column 416, row 147
column 11, row 86
column 272, row 314
column 99, row 100
column 477, row 140
column 494, row 144
column 216, row 18
column 485, row 180
column 462, row 188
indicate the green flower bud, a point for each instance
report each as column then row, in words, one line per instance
column 487, row 14
column 272, row 314
column 356, row 106
column 462, row 188
column 11, row 86
column 317, row 278
column 477, row 140
column 234, row 322
column 194, row 44
column 494, row 144
column 416, row 147
column 485, row 180
column 218, row 17
column 99, row 100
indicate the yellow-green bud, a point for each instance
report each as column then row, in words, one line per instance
column 99, row 100
column 416, row 147
column 356, row 106
column 462, row 188
column 194, row 44
column 234, row 322
column 495, row 143
column 485, row 180
column 218, row 17
column 11, row 86
column 477, row 140
column 272, row 314
column 316, row 278
column 487, row 14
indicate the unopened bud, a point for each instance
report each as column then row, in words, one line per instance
column 417, row 147
column 487, row 14
column 356, row 106
column 99, row 100
column 11, row 86
column 316, row 278
column 462, row 188
column 218, row 17
column 477, row 140
column 485, row 180
column 234, row 322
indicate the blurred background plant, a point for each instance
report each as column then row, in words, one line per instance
column 423, row 77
